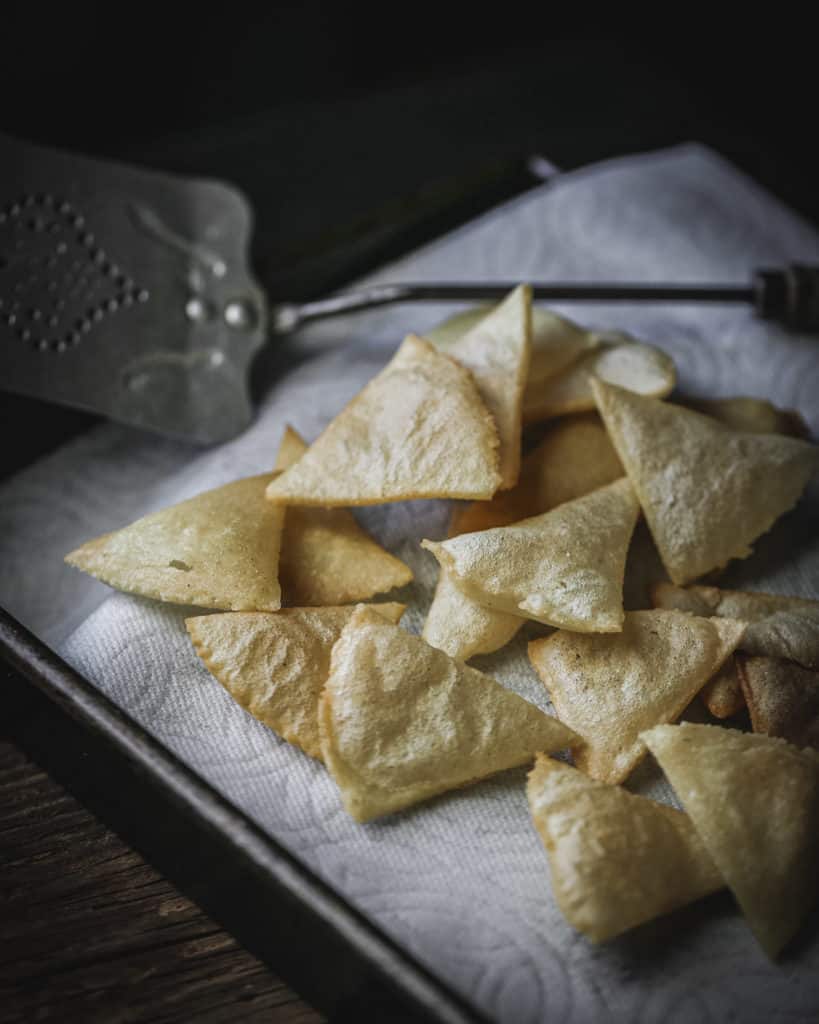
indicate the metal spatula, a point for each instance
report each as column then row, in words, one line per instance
column 128, row 293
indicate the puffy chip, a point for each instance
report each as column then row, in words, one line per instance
column 575, row 457
column 419, row 429
column 707, row 492
column 457, row 624
column 497, row 351
column 401, row 721
column 778, row 627
column 617, row 860
column 611, row 688
column 564, row 568
column 217, row 550
column 751, row 415
column 556, row 342
column 640, row 368
column 755, row 802
column 326, row 558
column 275, row 664
column 722, row 694
column 291, row 448
column 783, row 699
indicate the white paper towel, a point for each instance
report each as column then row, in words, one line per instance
column 462, row 881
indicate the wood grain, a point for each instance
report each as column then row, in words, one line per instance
column 90, row 932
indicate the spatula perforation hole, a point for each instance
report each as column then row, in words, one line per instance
column 48, row 250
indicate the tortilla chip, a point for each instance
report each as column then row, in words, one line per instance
column 755, row 802
column 722, row 694
column 326, row 558
column 617, row 860
column 275, row 664
column 640, row 368
column 695, row 600
column 563, row 568
column 401, row 721
column 556, row 342
column 783, row 699
column 574, row 458
column 217, row 550
column 497, row 352
column 291, row 448
column 707, row 492
column 611, row 688
column 778, row 627
column 751, row 415
column 463, row 628
column 419, row 429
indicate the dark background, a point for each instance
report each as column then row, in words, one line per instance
column 355, row 136
column 333, row 116
column 359, row 132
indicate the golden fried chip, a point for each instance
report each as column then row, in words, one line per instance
column 326, row 558
column 610, row 688
column 751, row 415
column 275, row 664
column 783, row 699
column 778, row 627
column 707, row 492
column 217, row 550
column 497, row 352
column 575, row 457
column 401, row 721
column 556, row 342
column 640, row 368
column 564, row 568
column 755, row 802
column 463, row 628
column 722, row 694
column 291, row 448
column 617, row 860
column 419, row 429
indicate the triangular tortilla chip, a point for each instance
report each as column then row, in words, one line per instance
column 640, row 368
column 778, row 626
column 751, row 415
column 574, row 458
column 463, row 628
column 401, row 721
column 217, row 550
column 617, row 860
column 275, row 664
column 326, row 558
column 419, row 429
column 497, row 352
column 722, row 694
column 563, row 568
column 610, row 688
column 707, row 492
column 783, row 699
column 755, row 802
column 556, row 342
column 291, row 448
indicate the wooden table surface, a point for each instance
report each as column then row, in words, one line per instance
column 91, row 932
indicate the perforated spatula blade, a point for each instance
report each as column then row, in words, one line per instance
column 127, row 292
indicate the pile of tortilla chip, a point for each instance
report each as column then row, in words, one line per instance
column 588, row 509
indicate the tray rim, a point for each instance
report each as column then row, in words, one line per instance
column 427, row 995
